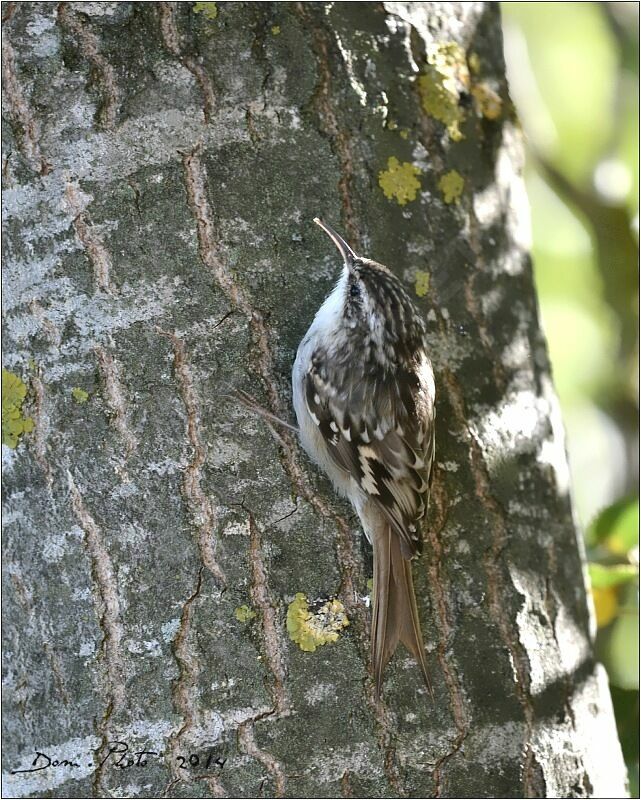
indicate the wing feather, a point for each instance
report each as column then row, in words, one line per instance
column 381, row 431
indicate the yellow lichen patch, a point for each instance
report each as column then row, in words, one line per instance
column 244, row 613
column 399, row 181
column 79, row 395
column 446, row 74
column 311, row 626
column 208, row 10
column 486, row 101
column 451, row 185
column 275, row 30
column 14, row 423
column 474, row 63
column 606, row 605
column 422, row 285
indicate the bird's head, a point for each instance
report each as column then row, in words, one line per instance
column 379, row 317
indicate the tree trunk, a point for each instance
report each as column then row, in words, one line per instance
column 162, row 165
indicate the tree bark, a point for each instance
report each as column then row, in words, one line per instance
column 162, row 164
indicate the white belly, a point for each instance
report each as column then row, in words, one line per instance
column 310, row 436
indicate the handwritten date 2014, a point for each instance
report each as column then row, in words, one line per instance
column 120, row 756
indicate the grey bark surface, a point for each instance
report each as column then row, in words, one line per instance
column 161, row 169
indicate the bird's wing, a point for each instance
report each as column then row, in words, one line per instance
column 381, row 431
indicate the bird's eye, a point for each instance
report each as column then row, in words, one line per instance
column 354, row 290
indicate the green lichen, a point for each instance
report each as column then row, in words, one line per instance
column 79, row 395
column 486, row 101
column 474, row 62
column 244, row 613
column 312, row 626
column 14, row 423
column 399, row 181
column 444, row 77
column 208, row 10
column 275, row 30
column 422, row 285
column 451, row 185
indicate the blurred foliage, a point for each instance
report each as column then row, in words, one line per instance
column 574, row 78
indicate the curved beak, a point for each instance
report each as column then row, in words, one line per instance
column 349, row 256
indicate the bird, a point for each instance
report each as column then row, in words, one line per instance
column 364, row 396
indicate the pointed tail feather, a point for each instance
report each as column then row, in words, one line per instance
column 395, row 615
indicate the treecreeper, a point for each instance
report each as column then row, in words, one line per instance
column 363, row 392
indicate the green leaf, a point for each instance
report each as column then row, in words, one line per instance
column 621, row 651
column 603, row 577
column 617, row 527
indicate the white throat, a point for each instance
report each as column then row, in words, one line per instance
column 328, row 319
